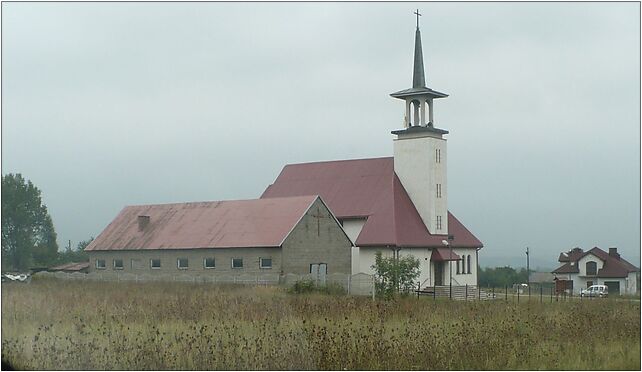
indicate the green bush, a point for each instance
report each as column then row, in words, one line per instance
column 309, row 286
column 303, row 286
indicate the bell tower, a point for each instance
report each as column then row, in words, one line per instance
column 420, row 148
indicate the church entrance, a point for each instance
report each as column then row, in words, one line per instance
column 439, row 273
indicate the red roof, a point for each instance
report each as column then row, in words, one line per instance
column 367, row 188
column 216, row 224
column 443, row 254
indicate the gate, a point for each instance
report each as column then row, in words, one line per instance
column 614, row 287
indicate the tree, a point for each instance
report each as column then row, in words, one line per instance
column 502, row 276
column 28, row 235
column 395, row 274
column 75, row 255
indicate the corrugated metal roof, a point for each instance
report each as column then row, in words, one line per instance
column 216, row 224
column 367, row 188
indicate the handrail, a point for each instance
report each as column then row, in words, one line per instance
column 422, row 285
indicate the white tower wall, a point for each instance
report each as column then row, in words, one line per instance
column 420, row 162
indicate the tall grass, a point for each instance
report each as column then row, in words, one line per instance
column 51, row 324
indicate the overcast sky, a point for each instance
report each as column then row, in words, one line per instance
column 112, row 104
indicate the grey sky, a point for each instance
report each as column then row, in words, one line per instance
column 110, row 104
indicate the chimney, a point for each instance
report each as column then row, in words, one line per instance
column 613, row 252
column 143, row 221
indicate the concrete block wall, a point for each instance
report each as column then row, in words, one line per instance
column 318, row 238
column 139, row 262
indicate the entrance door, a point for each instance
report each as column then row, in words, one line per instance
column 319, row 272
column 439, row 273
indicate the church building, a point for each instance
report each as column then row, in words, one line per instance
column 396, row 205
column 331, row 216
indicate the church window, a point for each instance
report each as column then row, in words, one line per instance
column 118, row 264
column 155, row 263
column 438, row 222
column 468, row 264
column 437, row 156
column 458, row 266
column 265, row 263
column 209, row 263
column 100, row 264
column 237, row 263
column 182, row 263
column 439, row 190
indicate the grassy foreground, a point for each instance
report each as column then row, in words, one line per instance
column 51, row 324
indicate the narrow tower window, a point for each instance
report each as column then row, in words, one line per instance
column 439, row 190
column 438, row 222
column 437, row 155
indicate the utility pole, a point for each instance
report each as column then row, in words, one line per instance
column 528, row 272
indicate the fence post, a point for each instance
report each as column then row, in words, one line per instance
column 466, row 298
column 506, row 293
column 434, row 292
column 418, row 288
column 551, row 295
column 479, row 292
column 541, row 292
column 517, row 294
column 349, row 283
column 493, row 292
column 374, row 288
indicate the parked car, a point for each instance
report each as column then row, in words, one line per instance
column 597, row 290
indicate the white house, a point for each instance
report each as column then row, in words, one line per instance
column 583, row 269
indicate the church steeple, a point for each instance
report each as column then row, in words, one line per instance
column 419, row 96
column 418, row 79
column 420, row 149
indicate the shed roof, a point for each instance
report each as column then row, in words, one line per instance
column 71, row 266
column 367, row 188
column 214, row 224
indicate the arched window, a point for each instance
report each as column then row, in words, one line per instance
column 468, row 264
column 591, row 268
column 457, row 266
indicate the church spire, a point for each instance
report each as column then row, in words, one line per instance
column 418, row 79
column 419, row 96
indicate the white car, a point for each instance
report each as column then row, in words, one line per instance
column 598, row 290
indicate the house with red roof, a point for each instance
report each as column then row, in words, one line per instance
column 580, row 270
column 316, row 218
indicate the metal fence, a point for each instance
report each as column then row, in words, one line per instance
column 540, row 293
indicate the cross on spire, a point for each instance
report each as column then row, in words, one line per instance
column 418, row 14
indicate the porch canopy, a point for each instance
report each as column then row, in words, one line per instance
column 443, row 254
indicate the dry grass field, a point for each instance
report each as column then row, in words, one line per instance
column 52, row 324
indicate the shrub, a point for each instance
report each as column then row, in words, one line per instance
column 303, row 286
column 309, row 286
column 395, row 275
